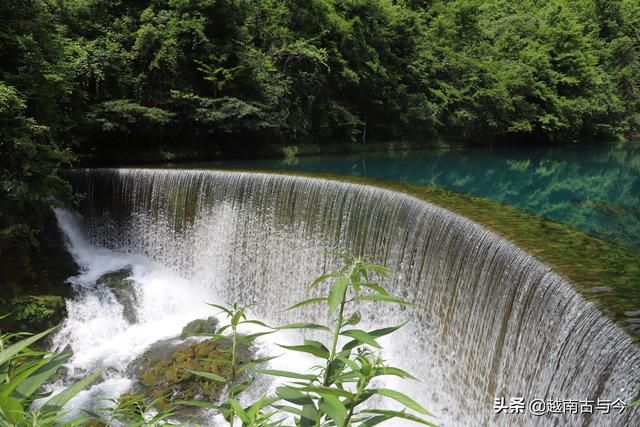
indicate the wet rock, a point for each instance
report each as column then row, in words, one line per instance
column 122, row 286
column 199, row 326
column 635, row 313
column 633, row 321
column 163, row 371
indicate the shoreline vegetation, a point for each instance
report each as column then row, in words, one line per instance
column 88, row 82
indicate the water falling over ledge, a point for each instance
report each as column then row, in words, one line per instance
column 491, row 320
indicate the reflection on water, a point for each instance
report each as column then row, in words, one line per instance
column 593, row 187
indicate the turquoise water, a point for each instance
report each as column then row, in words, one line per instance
column 594, row 187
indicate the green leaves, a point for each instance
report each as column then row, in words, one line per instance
column 312, row 326
column 385, row 414
column 361, row 337
column 381, row 298
column 10, row 352
column 307, row 302
column 208, row 376
column 329, row 398
column 401, row 398
column 24, row 371
column 333, row 407
column 337, row 294
column 311, row 347
column 286, row 374
column 56, row 403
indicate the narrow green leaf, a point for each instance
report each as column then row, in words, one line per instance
column 354, row 319
column 362, row 336
column 307, row 302
column 294, row 396
column 8, row 353
column 12, row 411
column 256, row 362
column 326, row 390
column 320, row 279
column 242, row 386
column 381, row 270
column 389, row 370
column 314, row 326
column 256, row 322
column 377, row 288
column 386, row 331
column 57, row 402
column 239, row 411
column 289, row 409
column 263, row 402
column 312, row 347
column 309, row 415
column 237, row 317
column 286, row 374
column 397, row 414
column 337, row 294
column 30, row 385
column 381, row 298
column 208, row 375
column 249, row 339
column 333, row 407
column 197, row 404
column 374, row 421
column 401, row 398
column 220, row 307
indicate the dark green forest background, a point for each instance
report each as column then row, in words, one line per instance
column 107, row 81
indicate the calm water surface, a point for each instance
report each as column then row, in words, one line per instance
column 593, row 187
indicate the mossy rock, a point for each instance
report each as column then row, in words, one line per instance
column 33, row 313
column 199, row 326
column 163, row 371
column 122, row 285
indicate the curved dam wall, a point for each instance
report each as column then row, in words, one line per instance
column 490, row 320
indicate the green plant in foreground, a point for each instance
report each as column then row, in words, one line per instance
column 132, row 410
column 334, row 395
column 241, row 376
column 23, row 372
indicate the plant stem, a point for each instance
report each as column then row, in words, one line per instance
column 233, row 369
column 336, row 336
column 334, row 344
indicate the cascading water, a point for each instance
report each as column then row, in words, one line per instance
column 490, row 320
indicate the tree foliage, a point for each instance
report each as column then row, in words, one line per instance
column 114, row 80
column 225, row 75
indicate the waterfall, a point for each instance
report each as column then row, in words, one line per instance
column 490, row 320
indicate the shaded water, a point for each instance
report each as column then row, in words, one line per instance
column 491, row 321
column 593, row 187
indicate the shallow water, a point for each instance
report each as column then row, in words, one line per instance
column 593, row 187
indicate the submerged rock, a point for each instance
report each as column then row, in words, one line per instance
column 122, row 286
column 199, row 326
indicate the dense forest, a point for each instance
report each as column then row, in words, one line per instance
column 87, row 81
